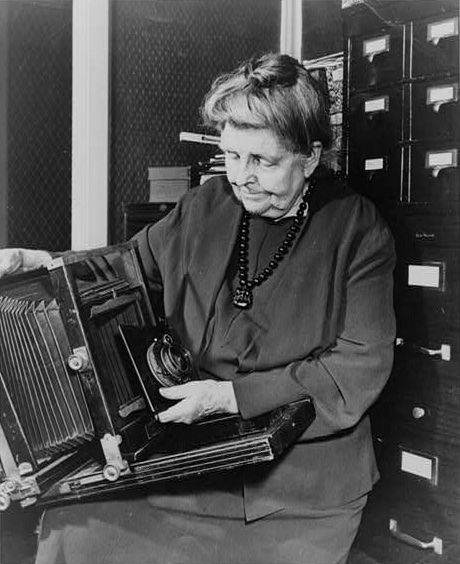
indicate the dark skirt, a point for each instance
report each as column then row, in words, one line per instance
column 144, row 531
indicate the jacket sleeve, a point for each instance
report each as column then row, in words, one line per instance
column 161, row 239
column 154, row 242
column 345, row 379
column 149, row 261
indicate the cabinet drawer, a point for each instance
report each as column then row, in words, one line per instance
column 375, row 120
column 377, row 59
column 377, row 175
column 431, row 324
column 435, row 110
column 428, row 271
column 428, row 382
column 426, row 297
column 425, row 517
column 435, row 46
column 434, row 173
column 416, row 227
column 415, row 457
column 428, row 425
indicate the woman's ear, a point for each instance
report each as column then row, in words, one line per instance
column 312, row 160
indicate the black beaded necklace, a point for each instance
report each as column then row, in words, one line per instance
column 242, row 296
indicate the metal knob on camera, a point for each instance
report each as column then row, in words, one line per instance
column 79, row 360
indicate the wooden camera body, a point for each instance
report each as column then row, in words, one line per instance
column 78, row 415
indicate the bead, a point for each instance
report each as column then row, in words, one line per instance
column 242, row 296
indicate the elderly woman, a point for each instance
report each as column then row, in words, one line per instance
column 278, row 279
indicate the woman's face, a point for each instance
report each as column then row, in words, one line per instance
column 266, row 178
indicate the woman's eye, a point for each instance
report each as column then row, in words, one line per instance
column 231, row 156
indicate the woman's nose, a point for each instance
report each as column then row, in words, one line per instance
column 244, row 174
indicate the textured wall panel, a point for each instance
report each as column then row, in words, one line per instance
column 164, row 57
column 321, row 28
column 39, row 123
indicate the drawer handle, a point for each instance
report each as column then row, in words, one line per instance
column 418, row 412
column 435, row 544
column 443, row 351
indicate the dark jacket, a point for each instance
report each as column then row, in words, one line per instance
column 327, row 331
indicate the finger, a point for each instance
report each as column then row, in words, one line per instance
column 182, row 412
column 176, row 392
column 9, row 262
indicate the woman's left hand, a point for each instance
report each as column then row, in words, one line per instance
column 198, row 399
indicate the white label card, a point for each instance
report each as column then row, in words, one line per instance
column 374, row 164
column 444, row 28
column 441, row 158
column 444, row 93
column 376, row 105
column 418, row 465
column 424, row 275
column 376, row 45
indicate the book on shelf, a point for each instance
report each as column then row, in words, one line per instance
column 168, row 184
column 169, row 172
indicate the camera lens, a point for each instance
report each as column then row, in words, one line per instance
column 169, row 362
column 175, row 359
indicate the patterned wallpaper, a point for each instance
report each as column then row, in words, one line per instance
column 164, row 56
column 39, row 103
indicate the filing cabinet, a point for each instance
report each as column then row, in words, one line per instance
column 435, row 109
column 434, row 172
column 402, row 144
column 377, row 59
column 376, row 172
column 434, row 45
column 375, row 119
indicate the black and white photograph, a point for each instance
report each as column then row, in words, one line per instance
column 229, row 282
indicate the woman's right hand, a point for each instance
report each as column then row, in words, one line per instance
column 22, row 260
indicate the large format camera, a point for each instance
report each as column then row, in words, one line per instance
column 83, row 357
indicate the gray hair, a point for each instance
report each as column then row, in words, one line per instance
column 273, row 92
